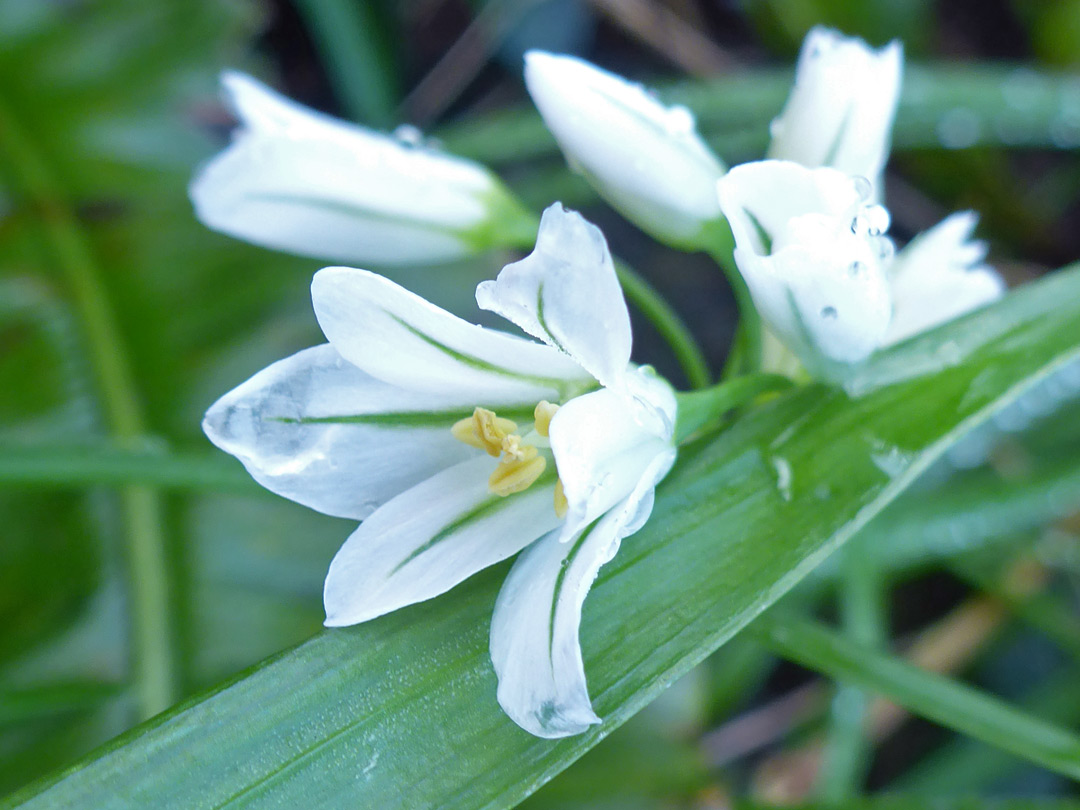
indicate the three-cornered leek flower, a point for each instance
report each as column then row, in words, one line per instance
column 296, row 180
column 813, row 255
column 841, row 109
column 459, row 446
column 939, row 276
column 643, row 157
column 824, row 276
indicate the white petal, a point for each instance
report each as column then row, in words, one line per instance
column 812, row 256
column 765, row 195
column 939, row 276
column 566, row 294
column 404, row 340
column 605, row 441
column 296, row 180
column 841, row 109
column 277, row 424
column 431, row 537
column 644, row 158
column 534, row 630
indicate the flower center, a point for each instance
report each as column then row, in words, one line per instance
column 520, row 463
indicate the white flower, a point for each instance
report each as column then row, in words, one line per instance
column 939, row 276
column 825, row 278
column 296, row 180
column 813, row 256
column 459, row 446
column 644, row 158
column 841, row 109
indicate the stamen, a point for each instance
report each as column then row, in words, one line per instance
column 543, row 414
column 515, row 450
column 483, row 430
column 561, row 504
column 517, row 475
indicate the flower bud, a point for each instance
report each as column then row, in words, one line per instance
column 296, row 180
column 644, row 158
column 840, row 112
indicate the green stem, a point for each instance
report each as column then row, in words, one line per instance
column 152, row 636
column 848, row 750
column 700, row 409
column 77, row 465
column 746, row 352
column 652, row 305
column 935, row 697
column 355, row 56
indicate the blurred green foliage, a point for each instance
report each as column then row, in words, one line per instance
column 106, row 106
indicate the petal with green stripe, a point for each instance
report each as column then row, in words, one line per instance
column 431, row 537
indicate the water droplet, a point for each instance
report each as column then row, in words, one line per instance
column 959, row 128
column 1065, row 132
column 884, row 248
column 783, row 476
column 863, row 187
column 679, row 120
column 829, row 313
column 891, row 462
column 1021, row 89
column 408, row 135
column 949, row 353
column 856, row 269
column 878, row 219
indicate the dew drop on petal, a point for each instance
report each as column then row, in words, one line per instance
column 829, row 313
column 863, row 188
column 884, row 248
column 408, row 135
column 679, row 121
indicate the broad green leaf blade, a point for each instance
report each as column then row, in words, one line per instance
column 400, row 712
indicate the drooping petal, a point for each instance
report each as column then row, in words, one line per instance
column 296, row 180
column 841, row 109
column 431, row 537
column 534, row 630
column 604, row 442
column 813, row 256
column 566, row 294
column 834, row 304
column 939, row 276
column 317, row 430
column 644, row 158
column 402, row 339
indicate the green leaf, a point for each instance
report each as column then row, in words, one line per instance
column 941, row 106
column 356, row 51
column 928, row 694
column 353, row 715
column 57, row 465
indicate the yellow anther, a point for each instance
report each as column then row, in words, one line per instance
column 561, row 505
column 514, row 450
column 543, row 413
column 484, row 430
column 517, row 475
